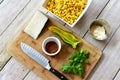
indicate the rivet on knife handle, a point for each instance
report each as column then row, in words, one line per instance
column 58, row 74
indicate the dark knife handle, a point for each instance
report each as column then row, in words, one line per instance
column 58, row 74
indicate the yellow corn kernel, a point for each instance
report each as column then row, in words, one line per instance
column 68, row 10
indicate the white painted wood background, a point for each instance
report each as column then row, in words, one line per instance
column 14, row 14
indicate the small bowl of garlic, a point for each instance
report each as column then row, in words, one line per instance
column 100, row 29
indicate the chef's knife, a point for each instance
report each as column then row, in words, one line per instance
column 39, row 58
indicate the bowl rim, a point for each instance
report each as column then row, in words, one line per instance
column 48, row 39
column 100, row 22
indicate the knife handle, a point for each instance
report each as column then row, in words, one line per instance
column 58, row 74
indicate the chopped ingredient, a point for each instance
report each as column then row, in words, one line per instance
column 77, row 63
column 36, row 25
column 99, row 33
column 66, row 36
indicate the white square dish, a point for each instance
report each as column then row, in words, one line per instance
column 78, row 18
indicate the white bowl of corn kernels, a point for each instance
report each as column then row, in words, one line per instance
column 68, row 11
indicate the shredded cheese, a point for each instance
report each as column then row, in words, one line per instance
column 99, row 33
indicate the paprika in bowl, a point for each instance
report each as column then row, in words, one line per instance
column 51, row 46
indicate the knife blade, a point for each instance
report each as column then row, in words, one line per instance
column 39, row 58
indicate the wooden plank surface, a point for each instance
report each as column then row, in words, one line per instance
column 110, row 15
column 14, row 28
column 8, row 12
column 111, row 59
column 117, row 77
column 21, row 19
column 111, row 11
column 109, row 65
column 56, row 61
column 110, row 62
column 9, row 9
column 32, row 76
column 15, row 72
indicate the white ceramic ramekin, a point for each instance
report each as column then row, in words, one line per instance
column 49, row 39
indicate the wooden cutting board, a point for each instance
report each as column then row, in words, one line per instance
column 56, row 62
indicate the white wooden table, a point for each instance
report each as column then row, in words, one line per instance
column 15, row 13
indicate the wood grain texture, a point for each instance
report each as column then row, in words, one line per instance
column 117, row 77
column 7, row 15
column 15, row 72
column 32, row 76
column 110, row 63
column 56, row 61
column 110, row 15
column 9, row 9
column 14, row 28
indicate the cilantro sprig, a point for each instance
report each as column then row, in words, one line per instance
column 77, row 63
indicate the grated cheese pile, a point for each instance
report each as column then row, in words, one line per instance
column 99, row 33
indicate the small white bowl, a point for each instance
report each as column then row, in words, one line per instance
column 51, row 39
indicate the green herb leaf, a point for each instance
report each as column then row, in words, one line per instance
column 77, row 63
